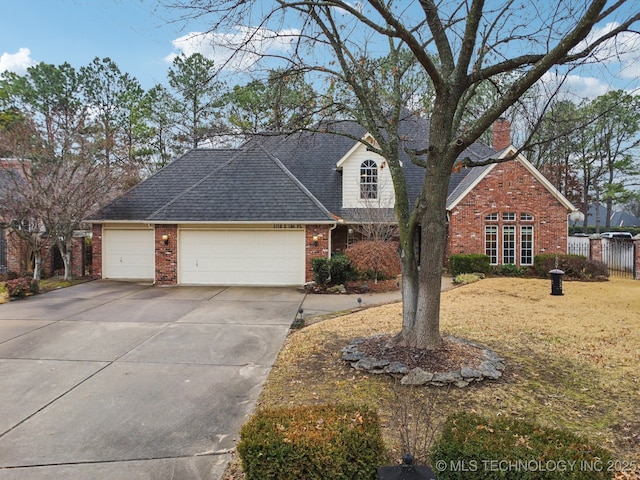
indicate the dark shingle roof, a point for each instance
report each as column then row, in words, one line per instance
column 218, row 186
column 271, row 178
column 312, row 158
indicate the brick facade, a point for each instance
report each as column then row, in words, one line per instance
column 166, row 254
column 508, row 188
column 96, row 252
column 595, row 249
column 320, row 233
column 19, row 259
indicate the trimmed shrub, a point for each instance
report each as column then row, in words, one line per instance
column 506, row 448
column 331, row 271
column 375, row 259
column 465, row 278
column 321, row 267
column 312, row 443
column 575, row 267
column 469, row 263
column 508, row 270
column 341, row 269
column 21, row 287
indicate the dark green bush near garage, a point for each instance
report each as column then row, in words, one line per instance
column 331, row 271
column 340, row 442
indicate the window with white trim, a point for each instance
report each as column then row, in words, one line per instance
column 508, row 238
column 526, row 245
column 508, row 244
column 368, row 179
column 491, row 243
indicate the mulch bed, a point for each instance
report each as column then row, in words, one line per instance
column 451, row 356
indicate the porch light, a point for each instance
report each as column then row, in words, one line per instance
column 315, row 239
column 165, row 239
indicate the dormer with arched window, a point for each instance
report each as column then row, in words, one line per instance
column 368, row 180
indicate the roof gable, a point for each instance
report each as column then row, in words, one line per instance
column 476, row 174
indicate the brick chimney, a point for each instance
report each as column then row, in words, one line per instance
column 501, row 134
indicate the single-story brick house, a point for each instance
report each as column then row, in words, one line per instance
column 258, row 214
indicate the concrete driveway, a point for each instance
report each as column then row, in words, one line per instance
column 114, row 380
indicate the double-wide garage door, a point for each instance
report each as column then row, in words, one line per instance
column 241, row 257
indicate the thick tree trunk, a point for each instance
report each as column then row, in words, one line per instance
column 421, row 286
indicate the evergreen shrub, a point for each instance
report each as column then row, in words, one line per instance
column 575, row 267
column 315, row 442
column 510, row 449
column 469, row 263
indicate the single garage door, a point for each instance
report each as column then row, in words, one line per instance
column 128, row 254
column 242, row 257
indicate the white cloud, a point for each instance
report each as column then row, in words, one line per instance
column 239, row 50
column 624, row 49
column 16, row 62
column 574, row 87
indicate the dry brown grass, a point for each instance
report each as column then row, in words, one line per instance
column 572, row 361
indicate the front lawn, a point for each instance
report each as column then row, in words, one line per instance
column 572, row 361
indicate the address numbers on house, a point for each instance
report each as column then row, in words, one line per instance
column 288, row 226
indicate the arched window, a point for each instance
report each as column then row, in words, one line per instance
column 368, row 179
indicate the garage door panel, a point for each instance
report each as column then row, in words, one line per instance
column 128, row 254
column 242, row 257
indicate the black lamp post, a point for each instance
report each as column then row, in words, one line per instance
column 406, row 471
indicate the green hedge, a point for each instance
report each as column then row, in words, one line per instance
column 339, row 442
column 473, row 447
column 575, row 267
column 331, row 271
column 469, row 263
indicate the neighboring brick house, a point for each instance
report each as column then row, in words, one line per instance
column 15, row 254
column 257, row 215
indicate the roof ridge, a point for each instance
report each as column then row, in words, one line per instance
column 296, row 181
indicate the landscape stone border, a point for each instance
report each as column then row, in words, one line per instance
column 490, row 367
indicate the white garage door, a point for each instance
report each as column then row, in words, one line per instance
column 128, row 254
column 242, row 257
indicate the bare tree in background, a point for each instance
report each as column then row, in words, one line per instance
column 459, row 45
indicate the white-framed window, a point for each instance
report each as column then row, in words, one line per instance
column 508, row 244
column 368, row 179
column 491, row 243
column 508, row 238
column 526, row 245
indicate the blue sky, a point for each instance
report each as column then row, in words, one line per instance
column 129, row 32
column 142, row 40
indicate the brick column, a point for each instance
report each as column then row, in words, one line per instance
column 313, row 234
column 166, row 254
column 595, row 249
column 96, row 252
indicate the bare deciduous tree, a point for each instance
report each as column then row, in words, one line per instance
column 459, row 45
